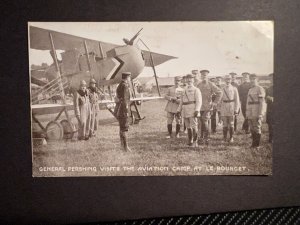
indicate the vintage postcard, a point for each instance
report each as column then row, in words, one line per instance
column 151, row 98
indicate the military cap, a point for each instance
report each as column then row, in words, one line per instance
column 218, row 77
column 82, row 83
column 232, row 74
column 245, row 73
column 125, row 75
column 93, row 81
column 190, row 76
column 194, row 71
column 253, row 76
column 227, row 76
column 204, row 71
column 179, row 78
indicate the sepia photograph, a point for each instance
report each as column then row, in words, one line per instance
column 151, row 98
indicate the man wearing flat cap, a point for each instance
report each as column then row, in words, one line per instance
column 270, row 100
column 82, row 110
column 243, row 93
column 230, row 104
column 94, row 97
column 207, row 89
column 189, row 107
column 173, row 96
column 122, row 109
column 255, row 109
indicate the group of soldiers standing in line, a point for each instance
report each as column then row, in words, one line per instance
column 197, row 101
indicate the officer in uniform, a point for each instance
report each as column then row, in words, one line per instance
column 216, row 110
column 122, row 108
column 189, row 108
column 234, row 84
column 270, row 100
column 243, row 93
column 255, row 109
column 173, row 96
column 82, row 110
column 229, row 107
column 183, row 85
column 94, row 97
column 207, row 89
column 196, row 77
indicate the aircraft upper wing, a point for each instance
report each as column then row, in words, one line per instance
column 157, row 58
column 40, row 39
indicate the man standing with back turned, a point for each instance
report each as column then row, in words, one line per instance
column 122, row 108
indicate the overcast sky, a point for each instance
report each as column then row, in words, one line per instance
column 220, row 47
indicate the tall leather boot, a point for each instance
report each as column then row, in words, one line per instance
column 190, row 136
column 235, row 123
column 231, row 134
column 258, row 137
column 126, row 148
column 195, row 137
column 253, row 139
column 121, row 140
column 225, row 130
column 169, row 131
column 177, row 130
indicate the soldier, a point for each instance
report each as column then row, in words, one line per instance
column 82, row 111
column 216, row 110
column 207, row 89
column 270, row 100
column 189, row 107
column 183, row 85
column 122, row 108
column 254, row 109
column 94, row 97
column 243, row 93
column 234, row 84
column 173, row 96
column 229, row 107
column 196, row 77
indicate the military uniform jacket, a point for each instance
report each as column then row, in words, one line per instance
column 82, row 104
column 243, row 93
column 191, row 101
column 255, row 102
column 207, row 90
column 123, row 95
column 230, row 101
column 173, row 92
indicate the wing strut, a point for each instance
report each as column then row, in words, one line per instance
column 153, row 67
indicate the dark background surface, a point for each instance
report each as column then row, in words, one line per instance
column 76, row 200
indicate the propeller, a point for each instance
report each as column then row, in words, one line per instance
column 131, row 41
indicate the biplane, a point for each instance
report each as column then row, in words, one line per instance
column 83, row 59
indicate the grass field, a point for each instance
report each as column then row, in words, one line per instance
column 152, row 154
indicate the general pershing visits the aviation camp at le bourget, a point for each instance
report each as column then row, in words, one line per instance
column 197, row 103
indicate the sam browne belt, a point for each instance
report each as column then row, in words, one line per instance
column 188, row 103
column 227, row 101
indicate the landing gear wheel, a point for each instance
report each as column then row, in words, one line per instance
column 68, row 129
column 54, row 131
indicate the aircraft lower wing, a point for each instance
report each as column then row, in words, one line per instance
column 42, row 109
